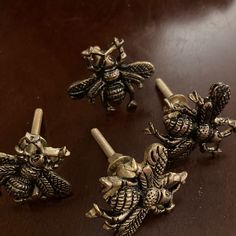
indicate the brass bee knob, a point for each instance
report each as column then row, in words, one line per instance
column 187, row 127
column 132, row 190
column 29, row 174
column 111, row 77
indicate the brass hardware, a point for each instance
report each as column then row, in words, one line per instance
column 170, row 98
column 132, row 190
column 111, row 77
column 37, row 121
column 186, row 127
column 29, row 174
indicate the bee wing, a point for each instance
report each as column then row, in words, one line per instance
column 219, row 95
column 95, row 89
column 142, row 68
column 61, row 187
column 210, row 107
column 133, row 78
column 133, row 222
column 7, row 159
column 7, row 171
column 205, row 112
column 146, row 177
column 156, row 156
column 80, row 88
column 45, row 186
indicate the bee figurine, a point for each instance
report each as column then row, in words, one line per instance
column 111, row 77
column 186, row 127
column 132, row 190
column 29, row 174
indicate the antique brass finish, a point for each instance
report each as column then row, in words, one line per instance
column 29, row 174
column 170, row 98
column 111, row 77
column 186, row 127
column 37, row 121
column 105, row 146
column 132, row 189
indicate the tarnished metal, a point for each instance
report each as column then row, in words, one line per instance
column 29, row 174
column 111, row 77
column 186, row 127
column 132, row 190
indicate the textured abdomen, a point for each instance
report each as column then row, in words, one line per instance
column 115, row 92
column 178, row 126
column 125, row 199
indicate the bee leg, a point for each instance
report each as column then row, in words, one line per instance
column 170, row 206
column 212, row 149
column 132, row 105
column 166, row 140
column 36, row 193
column 158, row 209
column 115, row 222
column 102, row 96
column 109, row 107
column 20, row 200
column 219, row 121
column 173, row 181
column 108, row 226
column 96, row 211
column 105, row 102
column 117, row 218
column 121, row 217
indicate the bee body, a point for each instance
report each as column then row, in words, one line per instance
column 178, row 125
column 126, row 198
column 115, row 92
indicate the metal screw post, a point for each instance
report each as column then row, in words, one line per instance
column 37, row 121
column 165, row 90
column 170, row 98
column 102, row 142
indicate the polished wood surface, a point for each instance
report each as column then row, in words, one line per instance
column 191, row 44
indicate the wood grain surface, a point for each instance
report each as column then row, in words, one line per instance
column 192, row 45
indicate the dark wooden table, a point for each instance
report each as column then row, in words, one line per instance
column 191, row 43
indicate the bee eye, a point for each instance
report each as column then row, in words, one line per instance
column 167, row 194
